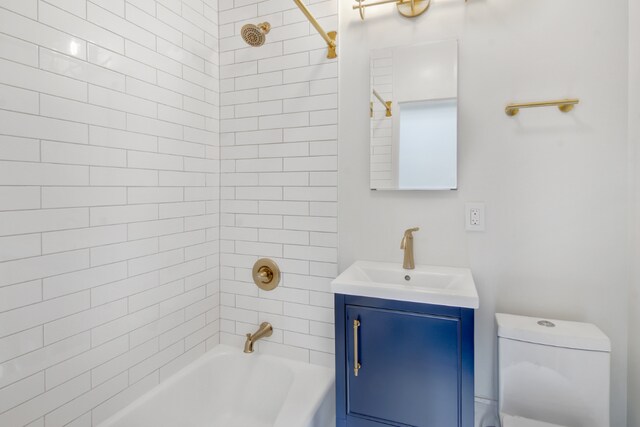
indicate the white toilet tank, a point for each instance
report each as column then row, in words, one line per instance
column 553, row 371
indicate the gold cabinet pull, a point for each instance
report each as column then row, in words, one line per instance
column 356, row 364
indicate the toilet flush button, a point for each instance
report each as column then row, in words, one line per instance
column 546, row 323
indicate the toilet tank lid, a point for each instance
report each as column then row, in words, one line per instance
column 576, row 335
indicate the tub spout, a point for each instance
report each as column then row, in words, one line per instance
column 265, row 330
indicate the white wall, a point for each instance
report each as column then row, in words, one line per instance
column 278, row 177
column 108, row 202
column 554, row 185
column 634, row 140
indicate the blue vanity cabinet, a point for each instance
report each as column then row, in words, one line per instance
column 415, row 364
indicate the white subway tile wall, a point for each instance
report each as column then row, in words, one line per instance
column 109, row 202
column 278, row 124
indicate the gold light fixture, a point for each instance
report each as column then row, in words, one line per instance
column 329, row 37
column 564, row 105
column 406, row 8
column 387, row 104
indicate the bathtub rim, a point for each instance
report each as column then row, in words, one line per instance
column 324, row 387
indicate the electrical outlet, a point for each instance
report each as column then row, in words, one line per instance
column 474, row 216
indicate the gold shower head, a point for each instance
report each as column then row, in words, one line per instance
column 254, row 35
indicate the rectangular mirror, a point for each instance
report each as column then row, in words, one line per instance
column 414, row 117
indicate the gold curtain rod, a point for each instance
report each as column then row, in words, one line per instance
column 329, row 37
column 386, row 104
column 564, row 105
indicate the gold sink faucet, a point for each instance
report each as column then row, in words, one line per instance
column 407, row 245
column 265, row 330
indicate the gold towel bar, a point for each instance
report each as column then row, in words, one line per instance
column 564, row 105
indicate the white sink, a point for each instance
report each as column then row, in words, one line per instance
column 448, row 286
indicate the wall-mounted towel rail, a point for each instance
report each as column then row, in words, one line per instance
column 564, row 105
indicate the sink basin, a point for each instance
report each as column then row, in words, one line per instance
column 448, row 286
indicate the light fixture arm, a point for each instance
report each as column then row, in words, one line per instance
column 406, row 8
column 387, row 104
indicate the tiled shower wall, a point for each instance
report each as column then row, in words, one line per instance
column 109, row 161
column 278, row 140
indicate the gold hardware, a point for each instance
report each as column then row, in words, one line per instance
column 356, row 364
column 413, row 8
column 564, row 105
column 387, row 104
column 361, row 7
column 329, row 37
column 406, row 8
column 265, row 330
column 266, row 274
column 254, row 35
column 265, row 27
column 407, row 245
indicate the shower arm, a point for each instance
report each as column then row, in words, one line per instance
column 330, row 37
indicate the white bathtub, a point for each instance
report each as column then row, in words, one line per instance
column 228, row 388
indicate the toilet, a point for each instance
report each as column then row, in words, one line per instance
column 552, row 373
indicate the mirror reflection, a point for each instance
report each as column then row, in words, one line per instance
column 414, row 117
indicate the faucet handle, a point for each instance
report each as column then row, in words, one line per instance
column 408, row 235
column 408, row 231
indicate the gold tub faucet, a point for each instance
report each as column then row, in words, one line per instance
column 407, row 246
column 265, row 330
